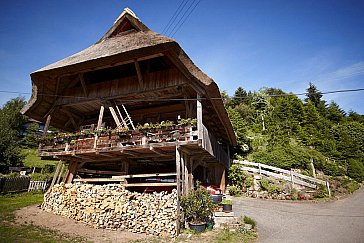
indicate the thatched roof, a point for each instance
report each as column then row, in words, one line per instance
column 128, row 39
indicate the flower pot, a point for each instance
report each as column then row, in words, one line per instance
column 217, row 198
column 199, row 228
column 227, row 207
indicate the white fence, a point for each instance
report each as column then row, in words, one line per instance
column 37, row 185
column 287, row 175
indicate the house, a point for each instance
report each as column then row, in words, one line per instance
column 133, row 76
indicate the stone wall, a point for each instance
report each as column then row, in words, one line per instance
column 113, row 207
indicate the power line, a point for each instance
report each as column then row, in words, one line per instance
column 186, row 18
column 180, row 99
column 174, row 16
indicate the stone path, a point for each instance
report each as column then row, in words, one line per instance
column 301, row 221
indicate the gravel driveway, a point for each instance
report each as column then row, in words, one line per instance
column 301, row 221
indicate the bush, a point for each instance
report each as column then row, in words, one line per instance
column 237, row 176
column 234, row 191
column 355, row 170
column 264, row 184
column 40, row 176
column 248, row 220
column 197, row 205
column 248, row 182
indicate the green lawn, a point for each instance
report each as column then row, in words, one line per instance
column 12, row 232
column 32, row 159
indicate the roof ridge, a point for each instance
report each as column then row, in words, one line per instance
column 126, row 11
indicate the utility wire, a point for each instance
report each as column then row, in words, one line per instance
column 172, row 35
column 182, row 17
column 174, row 16
column 180, row 99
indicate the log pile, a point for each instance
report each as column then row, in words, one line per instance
column 115, row 208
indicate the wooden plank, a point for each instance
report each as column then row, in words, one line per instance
column 60, row 174
column 101, row 115
column 146, row 175
column 309, row 178
column 84, row 88
column 56, row 174
column 114, row 115
column 101, row 172
column 98, row 179
column 139, row 73
column 151, row 184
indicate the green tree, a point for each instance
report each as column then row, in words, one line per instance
column 335, row 113
column 30, row 136
column 11, row 122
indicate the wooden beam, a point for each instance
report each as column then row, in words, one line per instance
column 151, row 184
column 72, row 169
column 69, row 114
column 178, row 181
column 46, row 126
column 101, row 172
column 101, row 115
column 139, row 73
column 115, row 116
column 146, row 175
column 159, row 151
column 199, row 117
column 84, row 88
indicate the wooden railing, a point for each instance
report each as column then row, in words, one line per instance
column 287, row 175
column 210, row 144
column 130, row 138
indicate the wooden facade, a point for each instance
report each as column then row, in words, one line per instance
column 151, row 77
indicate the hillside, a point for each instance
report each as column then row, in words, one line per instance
column 279, row 129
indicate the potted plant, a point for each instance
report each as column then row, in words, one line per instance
column 227, row 205
column 197, row 207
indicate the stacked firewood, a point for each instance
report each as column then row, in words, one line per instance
column 113, row 207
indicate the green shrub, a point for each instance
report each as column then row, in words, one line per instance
column 234, row 191
column 355, row 170
column 248, row 220
column 226, row 201
column 13, row 174
column 274, row 189
column 264, row 184
column 237, row 176
column 248, row 182
column 40, row 176
column 321, row 191
column 197, row 205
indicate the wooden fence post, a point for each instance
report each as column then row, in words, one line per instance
column 178, row 180
column 260, row 169
column 292, row 177
column 328, row 188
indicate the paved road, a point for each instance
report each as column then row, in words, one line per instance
column 284, row 221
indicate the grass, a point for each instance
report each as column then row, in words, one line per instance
column 32, row 159
column 12, row 232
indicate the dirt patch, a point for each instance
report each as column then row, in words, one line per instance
column 36, row 216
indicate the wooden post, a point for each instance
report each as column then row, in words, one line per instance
column 183, row 175
column 190, row 175
column 223, row 180
column 328, row 188
column 199, row 117
column 60, row 174
column 46, row 126
column 312, row 168
column 260, row 169
column 292, row 181
column 186, row 181
column 72, row 169
column 55, row 174
column 101, row 115
column 178, row 180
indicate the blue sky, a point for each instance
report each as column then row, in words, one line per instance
column 280, row 44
